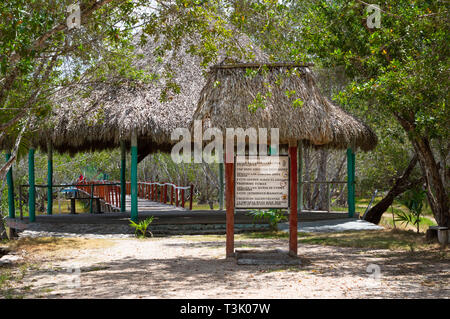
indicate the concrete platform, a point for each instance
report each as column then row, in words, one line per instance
column 168, row 220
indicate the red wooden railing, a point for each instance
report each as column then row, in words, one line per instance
column 106, row 191
column 159, row 192
column 154, row 191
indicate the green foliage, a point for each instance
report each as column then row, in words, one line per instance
column 141, row 227
column 413, row 199
column 273, row 216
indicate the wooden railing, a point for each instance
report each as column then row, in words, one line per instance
column 154, row 191
column 107, row 191
column 159, row 192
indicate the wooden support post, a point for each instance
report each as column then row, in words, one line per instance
column 165, row 194
column 192, row 196
column 32, row 188
column 300, row 177
column 293, row 222
column 97, row 206
column 351, row 182
column 221, row 185
column 72, row 206
column 134, row 199
column 161, row 193
column 10, row 182
column 229, row 198
column 20, row 202
column 328, row 198
column 182, row 198
column 49, row 178
column 176, row 197
column 91, row 199
column 123, row 163
column 171, row 194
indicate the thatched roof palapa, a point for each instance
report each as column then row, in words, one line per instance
column 109, row 114
column 231, row 88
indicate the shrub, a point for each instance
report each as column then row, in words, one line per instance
column 273, row 216
column 141, row 227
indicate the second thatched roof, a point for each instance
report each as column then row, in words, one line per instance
column 284, row 96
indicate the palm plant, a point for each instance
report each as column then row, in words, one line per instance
column 141, row 227
column 413, row 199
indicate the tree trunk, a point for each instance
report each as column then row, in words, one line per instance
column 400, row 185
column 322, row 198
column 307, row 177
column 436, row 193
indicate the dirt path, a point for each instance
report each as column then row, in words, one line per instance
column 194, row 267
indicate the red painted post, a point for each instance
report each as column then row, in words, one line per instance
column 165, row 193
column 191, row 196
column 161, row 194
column 182, row 197
column 229, row 196
column 176, row 197
column 171, row 194
column 293, row 222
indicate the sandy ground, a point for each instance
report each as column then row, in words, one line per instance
column 195, row 267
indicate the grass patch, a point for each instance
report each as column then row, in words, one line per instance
column 196, row 206
column 11, row 275
column 51, row 244
column 375, row 239
column 392, row 239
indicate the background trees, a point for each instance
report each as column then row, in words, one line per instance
column 394, row 77
column 397, row 74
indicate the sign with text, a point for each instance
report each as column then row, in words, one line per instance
column 262, row 182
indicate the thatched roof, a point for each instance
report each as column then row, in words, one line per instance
column 111, row 112
column 289, row 99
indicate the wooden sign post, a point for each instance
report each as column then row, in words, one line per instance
column 229, row 185
column 293, row 220
column 262, row 182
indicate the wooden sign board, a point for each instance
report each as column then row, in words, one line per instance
column 261, row 182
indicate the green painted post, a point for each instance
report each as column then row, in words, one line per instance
column 32, row 188
column 123, row 186
column 49, row 178
column 10, row 181
column 134, row 185
column 351, row 182
column 221, row 185
column 300, row 177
